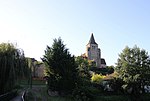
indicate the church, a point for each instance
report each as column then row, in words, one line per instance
column 94, row 53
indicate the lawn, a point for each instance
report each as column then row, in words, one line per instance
column 34, row 82
column 39, row 93
column 145, row 97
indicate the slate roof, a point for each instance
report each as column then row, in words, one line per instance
column 103, row 61
column 92, row 40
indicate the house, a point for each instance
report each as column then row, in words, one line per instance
column 39, row 71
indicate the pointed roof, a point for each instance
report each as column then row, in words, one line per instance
column 103, row 61
column 92, row 40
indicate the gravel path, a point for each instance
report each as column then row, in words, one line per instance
column 19, row 97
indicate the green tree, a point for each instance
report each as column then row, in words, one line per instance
column 12, row 66
column 110, row 69
column 133, row 67
column 61, row 68
column 83, row 67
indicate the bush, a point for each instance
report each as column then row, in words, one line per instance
column 103, row 71
column 97, row 78
column 82, row 94
column 116, row 85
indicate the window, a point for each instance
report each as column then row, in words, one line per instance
column 93, row 47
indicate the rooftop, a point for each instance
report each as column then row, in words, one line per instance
column 92, row 40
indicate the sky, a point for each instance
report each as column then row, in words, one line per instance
column 33, row 24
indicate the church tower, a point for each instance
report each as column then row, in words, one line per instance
column 93, row 52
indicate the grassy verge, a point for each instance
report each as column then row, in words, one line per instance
column 145, row 97
column 113, row 98
column 40, row 94
column 34, row 82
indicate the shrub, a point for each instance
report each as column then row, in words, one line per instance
column 97, row 78
column 82, row 94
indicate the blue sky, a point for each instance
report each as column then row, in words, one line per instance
column 33, row 24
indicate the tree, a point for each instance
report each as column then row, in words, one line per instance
column 60, row 67
column 110, row 69
column 133, row 67
column 83, row 67
column 13, row 66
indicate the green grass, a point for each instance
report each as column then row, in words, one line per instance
column 38, row 82
column 113, row 98
column 34, row 82
column 40, row 94
column 145, row 97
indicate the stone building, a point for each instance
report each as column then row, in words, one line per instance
column 39, row 71
column 94, row 53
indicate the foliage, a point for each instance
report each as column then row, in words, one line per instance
column 133, row 67
column 97, row 78
column 82, row 94
column 83, row 90
column 13, row 66
column 110, row 69
column 84, row 66
column 60, row 67
column 39, row 93
column 32, row 62
column 103, row 71
column 116, row 85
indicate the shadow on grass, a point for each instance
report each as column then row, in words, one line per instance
column 40, row 94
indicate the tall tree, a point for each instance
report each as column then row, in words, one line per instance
column 12, row 66
column 60, row 67
column 133, row 67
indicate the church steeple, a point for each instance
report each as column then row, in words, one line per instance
column 92, row 40
column 93, row 53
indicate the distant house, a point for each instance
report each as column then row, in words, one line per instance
column 94, row 53
column 39, row 71
column 37, row 67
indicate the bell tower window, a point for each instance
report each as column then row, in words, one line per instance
column 93, row 47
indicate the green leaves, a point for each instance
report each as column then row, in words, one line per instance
column 60, row 67
column 133, row 67
column 12, row 66
column 97, row 78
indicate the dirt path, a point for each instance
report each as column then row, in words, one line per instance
column 37, row 93
column 19, row 97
